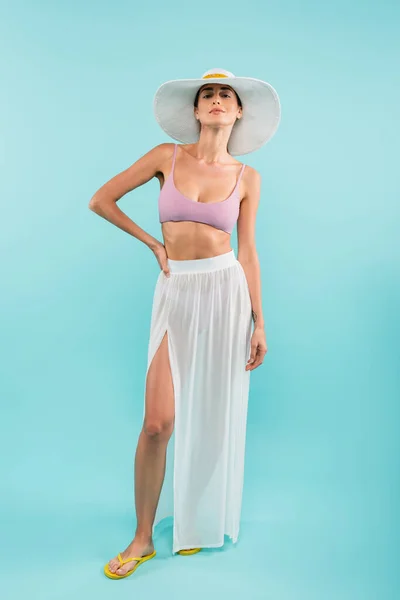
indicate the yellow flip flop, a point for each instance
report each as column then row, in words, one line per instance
column 189, row 552
column 140, row 560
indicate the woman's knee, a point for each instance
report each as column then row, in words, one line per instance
column 158, row 428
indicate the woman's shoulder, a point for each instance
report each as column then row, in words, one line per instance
column 160, row 155
column 251, row 174
column 251, row 182
column 163, row 150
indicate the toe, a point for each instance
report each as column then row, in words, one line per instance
column 112, row 565
column 127, row 567
column 122, row 570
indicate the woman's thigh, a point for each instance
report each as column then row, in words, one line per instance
column 160, row 400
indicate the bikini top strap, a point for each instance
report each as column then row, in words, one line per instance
column 240, row 175
column 174, row 157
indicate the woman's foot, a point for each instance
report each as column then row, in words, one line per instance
column 138, row 547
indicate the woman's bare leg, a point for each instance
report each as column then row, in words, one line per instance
column 150, row 458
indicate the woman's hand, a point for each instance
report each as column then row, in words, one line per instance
column 259, row 349
column 161, row 256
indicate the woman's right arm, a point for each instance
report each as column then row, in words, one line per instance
column 104, row 201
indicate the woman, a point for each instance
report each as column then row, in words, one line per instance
column 201, row 348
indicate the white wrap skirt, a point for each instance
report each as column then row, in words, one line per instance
column 205, row 308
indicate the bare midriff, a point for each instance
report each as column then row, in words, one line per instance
column 187, row 240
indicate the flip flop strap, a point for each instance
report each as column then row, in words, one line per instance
column 123, row 562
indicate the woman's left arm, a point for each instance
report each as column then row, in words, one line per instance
column 248, row 258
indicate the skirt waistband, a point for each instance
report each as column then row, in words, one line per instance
column 201, row 265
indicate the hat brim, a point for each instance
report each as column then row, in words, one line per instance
column 173, row 108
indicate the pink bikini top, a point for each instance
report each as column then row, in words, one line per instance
column 174, row 206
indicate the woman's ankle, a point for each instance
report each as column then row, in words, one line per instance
column 144, row 536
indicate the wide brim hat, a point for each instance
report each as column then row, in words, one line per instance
column 261, row 111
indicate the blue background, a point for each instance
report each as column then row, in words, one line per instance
column 320, row 515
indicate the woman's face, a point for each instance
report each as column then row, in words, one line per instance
column 218, row 96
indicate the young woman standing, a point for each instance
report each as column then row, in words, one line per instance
column 201, row 346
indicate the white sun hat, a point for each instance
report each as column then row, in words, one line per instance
column 261, row 111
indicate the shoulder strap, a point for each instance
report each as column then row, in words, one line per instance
column 240, row 175
column 174, row 157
